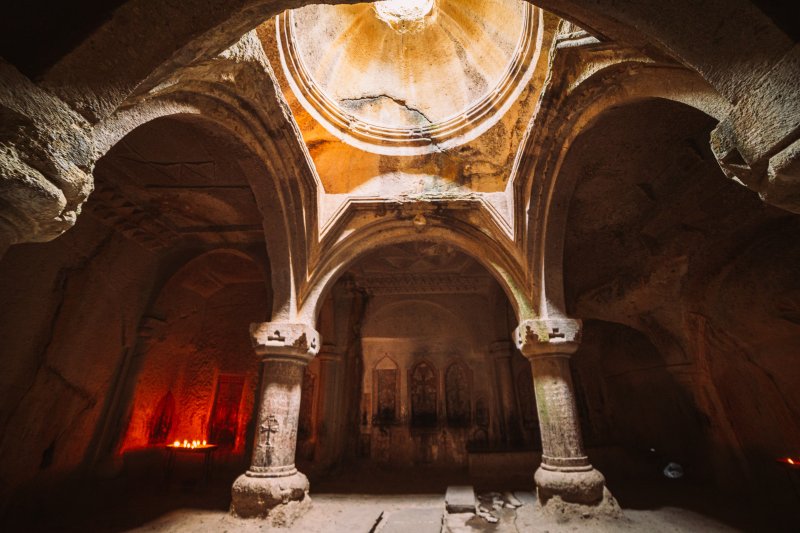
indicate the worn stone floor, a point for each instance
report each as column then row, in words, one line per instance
column 381, row 502
column 351, row 513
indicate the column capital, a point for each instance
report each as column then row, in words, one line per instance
column 548, row 337
column 285, row 340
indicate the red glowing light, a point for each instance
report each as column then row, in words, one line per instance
column 791, row 462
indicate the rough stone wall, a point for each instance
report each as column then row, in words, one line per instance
column 204, row 336
column 70, row 312
column 707, row 274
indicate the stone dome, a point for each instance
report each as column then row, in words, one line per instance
column 408, row 73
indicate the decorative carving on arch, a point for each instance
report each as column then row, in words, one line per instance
column 458, row 394
column 423, row 394
column 386, row 384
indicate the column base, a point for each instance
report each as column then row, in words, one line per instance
column 279, row 500
column 566, row 494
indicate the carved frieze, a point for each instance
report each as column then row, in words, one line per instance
column 423, row 283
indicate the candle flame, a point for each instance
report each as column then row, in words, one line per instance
column 192, row 444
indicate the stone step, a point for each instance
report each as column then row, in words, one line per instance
column 460, row 499
column 421, row 520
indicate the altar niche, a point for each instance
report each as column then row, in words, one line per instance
column 196, row 378
column 386, row 389
column 458, row 395
column 413, row 330
column 425, row 366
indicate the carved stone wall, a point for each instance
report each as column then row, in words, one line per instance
column 426, row 365
column 200, row 358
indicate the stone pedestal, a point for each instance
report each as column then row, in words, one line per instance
column 273, row 488
column 566, row 482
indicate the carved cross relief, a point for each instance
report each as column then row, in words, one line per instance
column 269, row 427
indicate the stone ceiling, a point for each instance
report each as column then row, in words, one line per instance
column 173, row 180
column 432, row 113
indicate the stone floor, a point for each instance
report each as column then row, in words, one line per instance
column 337, row 513
column 381, row 502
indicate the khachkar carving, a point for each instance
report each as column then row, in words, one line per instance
column 386, row 379
column 566, row 482
column 423, row 395
column 273, row 488
column 457, row 395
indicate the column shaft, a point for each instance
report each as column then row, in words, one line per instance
column 562, row 445
column 566, row 482
column 278, row 413
column 273, row 488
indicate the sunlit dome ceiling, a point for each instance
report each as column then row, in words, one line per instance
column 409, row 76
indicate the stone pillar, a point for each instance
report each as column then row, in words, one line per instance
column 566, row 482
column 273, row 488
column 503, row 367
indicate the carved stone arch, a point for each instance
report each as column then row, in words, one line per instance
column 198, row 262
column 172, row 36
column 423, row 394
column 102, row 72
column 213, row 114
column 200, row 277
column 386, row 391
column 546, row 197
column 458, row 394
column 497, row 255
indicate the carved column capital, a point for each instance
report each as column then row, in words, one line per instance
column 548, row 337
column 285, row 340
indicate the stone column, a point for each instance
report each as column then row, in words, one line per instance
column 273, row 488
column 566, row 482
column 503, row 367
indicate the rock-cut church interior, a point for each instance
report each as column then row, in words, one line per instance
column 402, row 266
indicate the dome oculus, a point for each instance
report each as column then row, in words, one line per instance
column 404, row 16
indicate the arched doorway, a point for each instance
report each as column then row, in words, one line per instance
column 419, row 336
